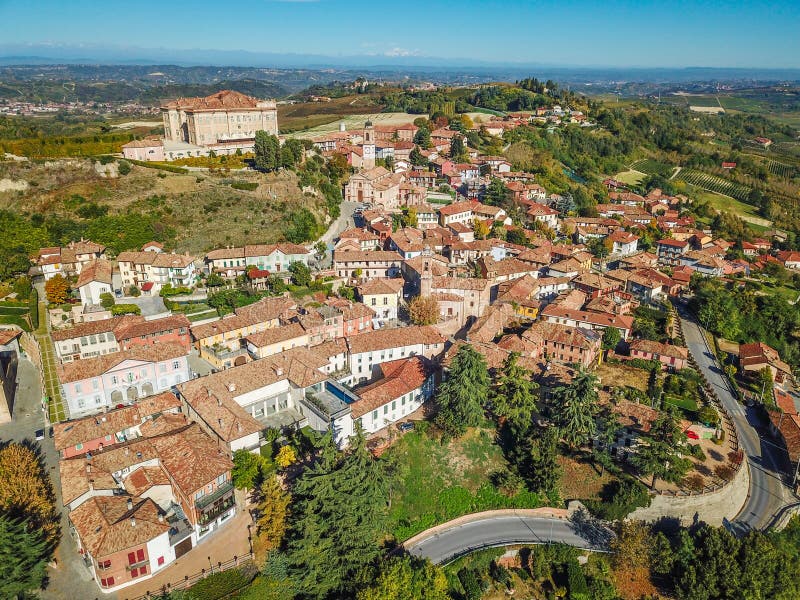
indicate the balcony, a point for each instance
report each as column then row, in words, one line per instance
column 201, row 503
column 216, row 510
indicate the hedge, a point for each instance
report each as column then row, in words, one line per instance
column 125, row 309
column 244, row 185
column 33, row 304
column 159, row 166
column 221, row 585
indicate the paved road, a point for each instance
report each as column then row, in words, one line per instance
column 768, row 495
column 495, row 531
column 344, row 221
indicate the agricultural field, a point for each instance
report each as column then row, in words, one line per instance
column 303, row 116
column 648, row 166
column 354, row 121
column 781, row 170
column 713, row 183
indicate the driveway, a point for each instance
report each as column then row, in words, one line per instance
column 768, row 495
column 150, row 305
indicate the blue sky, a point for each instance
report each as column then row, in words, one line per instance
column 608, row 33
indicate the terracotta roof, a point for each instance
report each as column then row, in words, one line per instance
column 222, row 100
column 399, row 378
column 143, row 478
column 263, row 311
column 226, row 418
column 653, row 347
column 70, row 433
column 96, row 270
column 381, row 286
column 106, row 525
column 133, row 329
column 275, row 335
column 145, row 143
column 76, row 480
column 191, row 458
column 582, row 316
column 94, row 367
column 578, row 337
column 8, row 335
column 460, row 283
column 355, row 311
column 458, row 207
column 634, row 415
column 383, row 339
column 369, row 256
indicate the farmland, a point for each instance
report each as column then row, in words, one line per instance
column 781, row 170
column 649, row 166
column 713, row 183
column 747, row 212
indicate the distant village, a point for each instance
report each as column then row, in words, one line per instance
column 147, row 446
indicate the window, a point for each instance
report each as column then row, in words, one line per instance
column 114, row 380
column 176, row 365
column 394, row 405
column 78, row 446
column 106, row 564
column 97, row 400
column 81, row 402
column 374, row 415
column 222, row 478
column 160, row 560
column 162, row 368
column 95, row 384
column 385, row 409
column 77, row 388
column 385, row 300
column 107, row 581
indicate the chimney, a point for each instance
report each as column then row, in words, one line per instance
column 160, row 518
column 130, row 504
column 127, row 450
column 278, row 371
column 220, row 422
column 239, row 427
column 231, row 387
column 133, row 521
column 88, row 468
column 219, row 401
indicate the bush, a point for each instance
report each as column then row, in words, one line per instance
column 470, row 581
column 619, row 498
column 33, row 303
column 125, row 309
column 244, row 185
column 160, row 166
column 124, row 167
column 107, row 300
column 220, row 585
column 134, row 291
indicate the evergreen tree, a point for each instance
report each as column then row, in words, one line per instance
column 461, row 397
column 458, row 152
column 543, row 470
column 338, row 514
column 267, row 149
column 24, row 552
column 608, row 427
column 512, row 397
column 573, row 408
column 423, row 138
column 661, row 454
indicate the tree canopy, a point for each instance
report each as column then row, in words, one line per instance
column 460, row 399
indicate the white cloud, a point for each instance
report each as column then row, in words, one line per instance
column 395, row 52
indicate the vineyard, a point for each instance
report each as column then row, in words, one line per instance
column 649, row 166
column 782, row 170
column 713, row 183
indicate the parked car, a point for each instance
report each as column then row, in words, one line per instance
column 407, row 426
column 39, row 434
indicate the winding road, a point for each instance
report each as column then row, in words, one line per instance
column 768, row 496
column 495, row 531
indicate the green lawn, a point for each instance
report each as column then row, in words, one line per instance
column 722, row 203
column 630, row 177
column 435, row 483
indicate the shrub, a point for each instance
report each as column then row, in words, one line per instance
column 697, row 451
column 694, row 482
column 244, row 185
column 33, row 303
column 725, row 472
column 470, row 581
column 125, row 309
column 160, row 166
column 619, row 498
column 124, row 167
column 107, row 300
column 220, row 585
column 134, row 291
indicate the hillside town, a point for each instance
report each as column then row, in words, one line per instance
column 443, row 248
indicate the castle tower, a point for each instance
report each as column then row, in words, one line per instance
column 368, row 147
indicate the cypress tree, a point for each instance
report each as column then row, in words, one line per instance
column 24, row 553
column 461, row 398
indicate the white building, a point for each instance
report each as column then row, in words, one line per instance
column 95, row 279
column 152, row 269
column 368, row 350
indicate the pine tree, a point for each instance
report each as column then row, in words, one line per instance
column 661, row 453
column 24, row 552
column 273, row 510
column 573, row 408
column 513, row 397
column 338, row 515
column 462, row 396
column 543, row 469
column 458, row 152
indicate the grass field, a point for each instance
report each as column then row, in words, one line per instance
column 747, row 212
column 631, row 177
column 436, row 482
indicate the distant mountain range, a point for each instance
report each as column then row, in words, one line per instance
column 419, row 66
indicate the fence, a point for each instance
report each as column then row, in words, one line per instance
column 189, row 580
